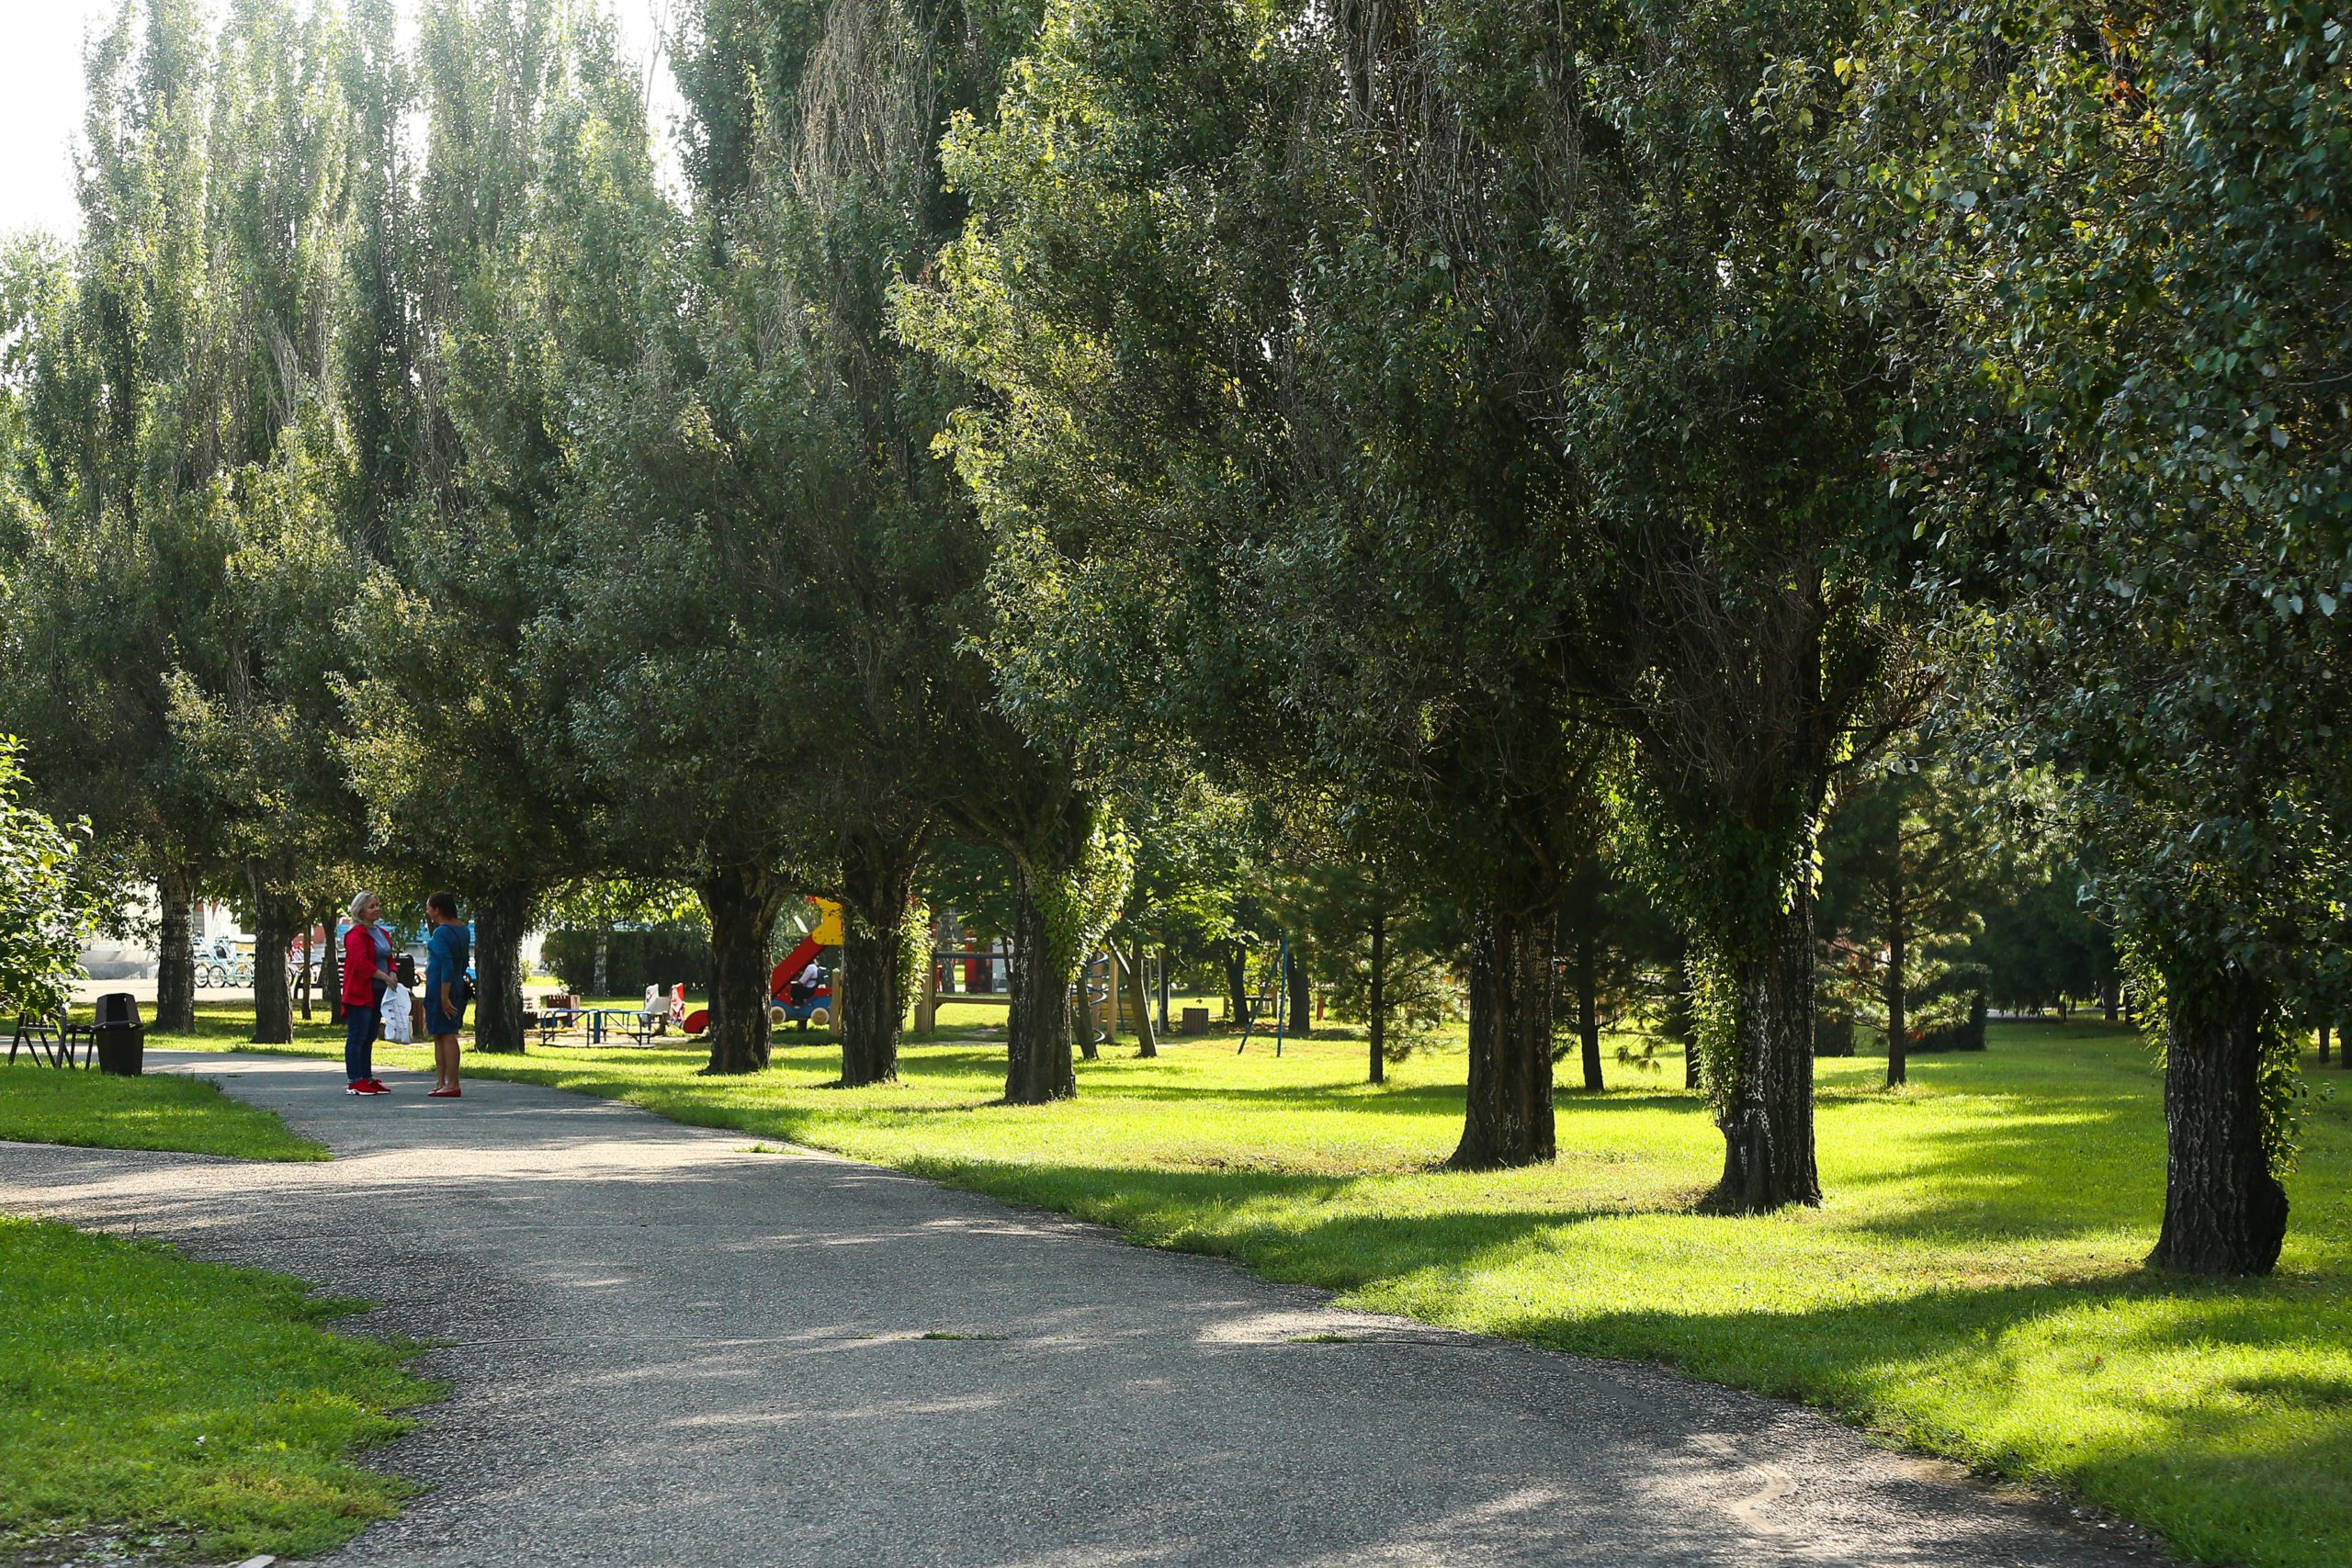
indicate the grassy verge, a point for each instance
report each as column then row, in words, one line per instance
column 170, row 1406
column 1972, row 1284
column 44, row 1105
column 182, row 1407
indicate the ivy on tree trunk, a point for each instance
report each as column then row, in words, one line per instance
column 877, row 894
column 1038, row 1027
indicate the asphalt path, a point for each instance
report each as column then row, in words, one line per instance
column 668, row 1348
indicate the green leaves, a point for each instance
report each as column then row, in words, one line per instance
column 47, row 907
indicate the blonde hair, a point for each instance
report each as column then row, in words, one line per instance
column 359, row 901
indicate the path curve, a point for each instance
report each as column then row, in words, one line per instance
column 668, row 1350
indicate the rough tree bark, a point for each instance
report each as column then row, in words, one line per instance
column 2224, row 1212
column 742, row 902
column 1038, row 1028
column 175, row 952
column 600, row 969
column 1378, row 1023
column 274, row 917
column 1767, row 1113
column 1508, row 1120
column 1237, row 983
column 878, row 889
column 501, row 919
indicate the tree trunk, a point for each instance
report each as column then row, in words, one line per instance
column 1146, row 1042
column 1767, row 1114
column 1587, row 966
column 873, row 1000
column 1897, row 992
column 2225, row 1212
column 176, row 952
column 331, row 970
column 272, row 937
column 1164, row 973
column 1378, row 1028
column 2323, row 1044
column 878, row 890
column 1507, row 1118
column 2110, row 998
column 1302, row 996
column 1038, row 1068
column 302, row 986
column 1237, row 983
column 1110, row 1002
column 742, row 902
column 600, row 969
column 501, row 919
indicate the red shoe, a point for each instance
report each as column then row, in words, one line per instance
column 359, row 1085
column 445, row 1094
column 376, row 1085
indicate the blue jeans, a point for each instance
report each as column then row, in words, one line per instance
column 359, row 1038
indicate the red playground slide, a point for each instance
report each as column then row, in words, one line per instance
column 817, row 1008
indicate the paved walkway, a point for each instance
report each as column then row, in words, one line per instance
column 668, row 1349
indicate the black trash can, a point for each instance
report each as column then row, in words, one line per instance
column 121, row 1038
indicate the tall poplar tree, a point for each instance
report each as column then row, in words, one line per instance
column 121, row 451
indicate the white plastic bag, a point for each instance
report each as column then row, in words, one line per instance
column 397, row 1025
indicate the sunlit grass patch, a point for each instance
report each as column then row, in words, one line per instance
column 152, row 1397
column 1972, row 1283
column 47, row 1105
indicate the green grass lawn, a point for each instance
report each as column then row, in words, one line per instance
column 44, row 1105
column 1972, row 1284
column 152, row 1399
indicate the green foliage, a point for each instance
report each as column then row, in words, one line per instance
column 46, row 910
column 2110, row 259
column 665, row 955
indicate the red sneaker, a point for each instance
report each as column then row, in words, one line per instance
column 376, row 1085
column 359, row 1085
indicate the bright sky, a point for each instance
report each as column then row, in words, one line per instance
column 41, row 98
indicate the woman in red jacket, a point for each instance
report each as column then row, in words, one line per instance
column 367, row 971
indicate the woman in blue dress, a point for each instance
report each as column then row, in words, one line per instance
column 446, row 990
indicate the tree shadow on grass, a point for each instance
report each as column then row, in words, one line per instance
column 2072, row 1384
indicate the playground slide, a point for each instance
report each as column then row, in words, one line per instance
column 818, row 1009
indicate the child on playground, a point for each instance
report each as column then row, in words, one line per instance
column 446, row 990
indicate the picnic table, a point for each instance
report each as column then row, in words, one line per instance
column 594, row 1022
